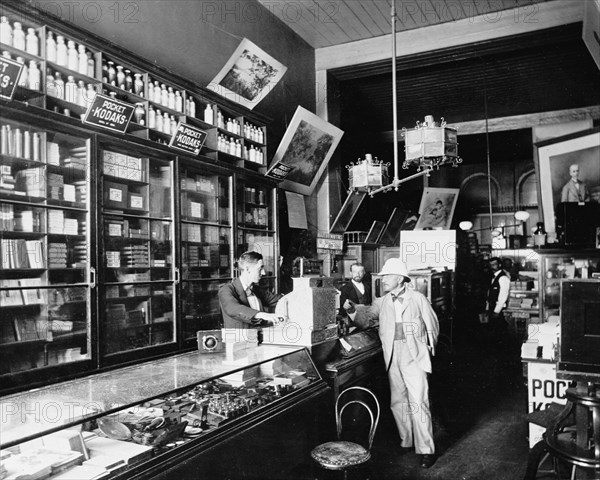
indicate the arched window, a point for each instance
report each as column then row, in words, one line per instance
column 527, row 189
column 474, row 191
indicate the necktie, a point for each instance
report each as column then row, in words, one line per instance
column 397, row 298
column 249, row 291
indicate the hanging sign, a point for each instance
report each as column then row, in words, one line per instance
column 279, row 171
column 10, row 70
column 330, row 241
column 188, row 139
column 109, row 113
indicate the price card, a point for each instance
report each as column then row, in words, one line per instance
column 10, row 70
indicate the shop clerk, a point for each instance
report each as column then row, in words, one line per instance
column 243, row 303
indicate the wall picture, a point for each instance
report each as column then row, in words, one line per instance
column 437, row 208
column 248, row 76
column 564, row 162
column 305, row 150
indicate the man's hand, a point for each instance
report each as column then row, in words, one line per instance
column 349, row 306
column 274, row 318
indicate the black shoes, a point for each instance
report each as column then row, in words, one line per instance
column 427, row 460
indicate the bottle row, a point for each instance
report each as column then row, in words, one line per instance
column 213, row 116
column 233, row 147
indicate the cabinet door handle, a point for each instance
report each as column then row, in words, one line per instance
column 92, row 280
column 177, row 277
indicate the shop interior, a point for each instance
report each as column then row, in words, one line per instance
column 138, row 164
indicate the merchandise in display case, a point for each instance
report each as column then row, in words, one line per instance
column 206, row 245
column 129, row 422
column 256, row 226
column 536, row 276
column 44, row 247
column 138, row 248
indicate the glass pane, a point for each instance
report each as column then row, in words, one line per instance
column 254, row 205
column 205, row 251
column 44, row 248
column 261, row 242
column 201, row 309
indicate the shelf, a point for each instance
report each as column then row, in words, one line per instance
column 55, row 67
column 19, row 161
column 15, row 52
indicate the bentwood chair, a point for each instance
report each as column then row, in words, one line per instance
column 343, row 455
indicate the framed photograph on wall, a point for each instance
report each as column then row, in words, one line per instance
column 248, row 76
column 437, row 208
column 563, row 162
column 305, row 149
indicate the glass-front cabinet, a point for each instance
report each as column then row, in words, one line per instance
column 256, row 226
column 45, row 270
column 206, row 245
column 137, row 280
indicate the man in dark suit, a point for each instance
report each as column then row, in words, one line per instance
column 356, row 290
column 243, row 303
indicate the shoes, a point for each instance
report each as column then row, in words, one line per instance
column 427, row 460
column 404, row 450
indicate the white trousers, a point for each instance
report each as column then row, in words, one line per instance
column 410, row 400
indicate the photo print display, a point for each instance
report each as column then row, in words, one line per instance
column 304, row 151
column 437, row 208
column 248, row 76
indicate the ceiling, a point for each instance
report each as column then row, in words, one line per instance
column 324, row 23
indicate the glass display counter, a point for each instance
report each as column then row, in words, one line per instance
column 130, row 422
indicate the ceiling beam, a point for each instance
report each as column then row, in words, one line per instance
column 515, row 122
column 469, row 30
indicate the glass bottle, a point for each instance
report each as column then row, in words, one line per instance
column 72, row 56
column 157, row 92
column 166, row 124
column 208, row 114
column 140, row 113
column 151, row 117
column 50, row 83
column 6, row 31
column 192, row 108
column 159, row 121
column 164, row 95
column 32, row 42
column 50, row 48
column 62, row 57
column 112, row 73
column 90, row 94
column 91, row 65
column 18, row 39
column 128, row 81
column 171, row 98
column 178, row 101
column 60, row 86
column 238, row 148
column 80, row 99
column 71, row 90
column 120, row 77
column 82, row 60
column 35, row 77
column 173, row 124
column 24, row 77
column 138, row 84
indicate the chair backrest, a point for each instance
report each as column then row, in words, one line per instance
column 344, row 400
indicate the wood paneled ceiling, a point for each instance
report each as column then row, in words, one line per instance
column 324, row 23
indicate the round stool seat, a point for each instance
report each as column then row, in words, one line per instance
column 339, row 455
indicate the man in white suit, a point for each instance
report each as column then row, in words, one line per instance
column 408, row 328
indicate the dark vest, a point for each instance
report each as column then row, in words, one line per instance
column 494, row 290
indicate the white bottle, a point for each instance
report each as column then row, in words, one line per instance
column 91, row 65
column 60, row 86
column 120, row 77
column 82, row 58
column 62, row 57
column 166, row 124
column 32, row 42
column 151, row 117
column 252, row 154
column 238, row 148
column 71, row 90
column 171, row 98
column 18, row 36
column 35, row 76
column 261, row 135
column 208, row 114
column 157, row 92
column 50, row 84
column 159, row 121
column 164, row 95
column 90, row 94
column 24, row 77
column 73, row 57
column 50, row 48
column 178, row 101
column 80, row 100
column 6, row 31
column 173, row 124
column 192, row 108
column 229, row 125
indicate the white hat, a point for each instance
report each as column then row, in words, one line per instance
column 395, row 266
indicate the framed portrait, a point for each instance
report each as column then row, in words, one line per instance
column 248, row 76
column 560, row 161
column 304, row 151
column 437, row 208
column 375, row 231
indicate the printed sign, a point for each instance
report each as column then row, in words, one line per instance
column 10, row 70
column 188, row 139
column 109, row 113
column 279, row 171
